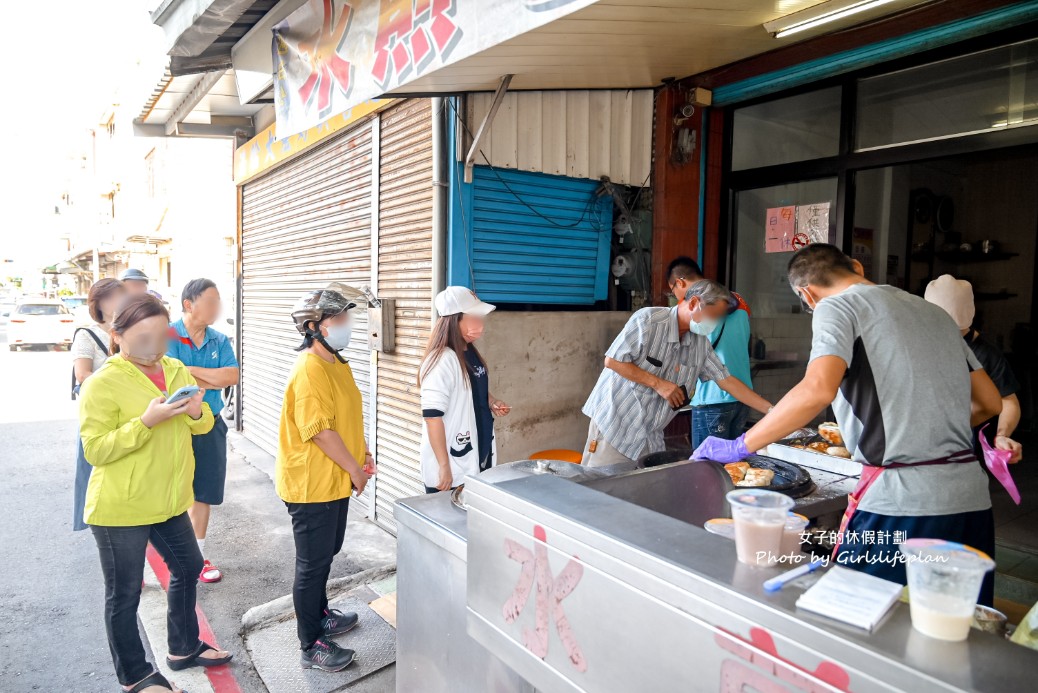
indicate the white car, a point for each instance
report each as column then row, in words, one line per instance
column 40, row 322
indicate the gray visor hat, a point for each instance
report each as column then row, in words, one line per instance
column 325, row 303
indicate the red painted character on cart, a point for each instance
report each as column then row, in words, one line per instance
column 550, row 593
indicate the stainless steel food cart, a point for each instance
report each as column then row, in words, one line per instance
column 606, row 583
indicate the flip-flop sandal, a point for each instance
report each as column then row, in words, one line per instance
column 155, row 679
column 208, row 567
column 197, row 660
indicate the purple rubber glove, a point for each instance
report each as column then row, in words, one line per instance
column 721, row 450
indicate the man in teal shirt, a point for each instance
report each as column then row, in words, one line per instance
column 714, row 411
column 209, row 357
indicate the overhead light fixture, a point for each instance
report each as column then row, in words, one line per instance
column 822, row 13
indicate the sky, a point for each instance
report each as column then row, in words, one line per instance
column 69, row 59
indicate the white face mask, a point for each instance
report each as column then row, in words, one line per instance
column 338, row 336
column 704, row 327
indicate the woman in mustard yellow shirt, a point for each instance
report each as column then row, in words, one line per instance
column 140, row 489
column 322, row 456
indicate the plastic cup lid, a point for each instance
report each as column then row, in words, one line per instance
column 796, row 520
column 760, row 498
column 721, row 526
column 947, row 554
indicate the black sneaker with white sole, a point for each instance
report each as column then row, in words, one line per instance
column 336, row 622
column 326, row 656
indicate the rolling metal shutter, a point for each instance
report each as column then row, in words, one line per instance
column 304, row 224
column 532, row 238
column 404, row 273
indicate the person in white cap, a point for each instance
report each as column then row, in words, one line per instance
column 458, row 435
column 955, row 296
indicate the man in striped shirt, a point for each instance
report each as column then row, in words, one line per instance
column 651, row 371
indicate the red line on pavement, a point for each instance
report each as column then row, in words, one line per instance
column 222, row 677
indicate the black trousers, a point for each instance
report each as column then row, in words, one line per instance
column 122, row 553
column 319, row 530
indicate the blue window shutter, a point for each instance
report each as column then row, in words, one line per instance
column 530, row 237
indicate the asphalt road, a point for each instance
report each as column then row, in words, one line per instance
column 52, row 635
column 50, row 581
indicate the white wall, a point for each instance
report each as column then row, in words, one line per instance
column 544, row 365
column 581, row 134
column 197, row 189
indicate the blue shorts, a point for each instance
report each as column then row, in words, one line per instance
column 211, row 463
column 976, row 529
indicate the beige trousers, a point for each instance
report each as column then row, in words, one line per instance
column 604, row 454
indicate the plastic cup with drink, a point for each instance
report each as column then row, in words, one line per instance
column 760, row 520
column 792, row 536
column 944, row 580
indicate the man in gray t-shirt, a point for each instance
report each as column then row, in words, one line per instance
column 905, row 389
column 905, row 398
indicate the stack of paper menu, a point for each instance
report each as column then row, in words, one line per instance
column 851, row 596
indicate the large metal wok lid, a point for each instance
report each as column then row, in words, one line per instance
column 791, row 479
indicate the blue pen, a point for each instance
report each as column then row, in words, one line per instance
column 777, row 583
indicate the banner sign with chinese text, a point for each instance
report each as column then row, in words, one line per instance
column 332, row 54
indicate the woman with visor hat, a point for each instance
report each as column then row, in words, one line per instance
column 322, row 456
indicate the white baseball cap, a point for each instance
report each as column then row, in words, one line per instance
column 458, row 299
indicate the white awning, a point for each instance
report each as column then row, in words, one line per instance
column 614, row 44
column 204, row 105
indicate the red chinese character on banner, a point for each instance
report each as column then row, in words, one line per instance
column 550, row 593
column 327, row 67
column 410, row 34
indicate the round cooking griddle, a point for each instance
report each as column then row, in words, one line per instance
column 790, row 479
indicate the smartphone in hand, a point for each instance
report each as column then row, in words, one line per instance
column 183, row 393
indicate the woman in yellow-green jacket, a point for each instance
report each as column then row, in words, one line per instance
column 140, row 489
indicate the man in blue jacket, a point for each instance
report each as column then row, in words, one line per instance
column 714, row 411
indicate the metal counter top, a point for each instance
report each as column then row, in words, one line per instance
column 435, row 510
column 435, row 518
column 829, row 496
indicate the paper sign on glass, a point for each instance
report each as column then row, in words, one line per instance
column 813, row 222
column 779, row 228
